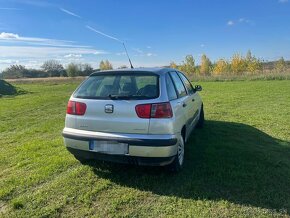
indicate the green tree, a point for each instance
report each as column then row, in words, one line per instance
column 188, row 65
column 73, row 70
column 205, row 65
column 249, row 56
column 86, row 70
column 53, row 68
column 105, row 65
column 14, row 72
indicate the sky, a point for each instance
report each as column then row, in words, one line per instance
column 155, row 32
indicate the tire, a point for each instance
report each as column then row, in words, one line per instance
column 177, row 164
column 200, row 121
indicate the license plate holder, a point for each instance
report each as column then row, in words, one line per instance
column 108, row 147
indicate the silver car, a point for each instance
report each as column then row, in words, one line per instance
column 141, row 116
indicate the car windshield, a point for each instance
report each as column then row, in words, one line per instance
column 119, row 86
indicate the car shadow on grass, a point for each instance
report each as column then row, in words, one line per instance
column 7, row 89
column 224, row 161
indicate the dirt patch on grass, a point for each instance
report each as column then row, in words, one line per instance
column 3, row 207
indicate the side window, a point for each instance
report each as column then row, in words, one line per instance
column 187, row 84
column 178, row 85
column 170, row 88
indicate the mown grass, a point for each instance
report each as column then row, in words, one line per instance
column 238, row 165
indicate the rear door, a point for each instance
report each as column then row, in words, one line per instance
column 183, row 101
column 193, row 100
column 111, row 101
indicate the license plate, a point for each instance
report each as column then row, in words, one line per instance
column 108, row 147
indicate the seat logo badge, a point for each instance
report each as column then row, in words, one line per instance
column 109, row 108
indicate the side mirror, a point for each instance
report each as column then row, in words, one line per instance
column 198, row 88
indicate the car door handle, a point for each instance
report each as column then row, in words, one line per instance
column 184, row 105
column 193, row 99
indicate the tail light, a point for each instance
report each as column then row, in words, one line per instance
column 76, row 108
column 159, row 110
column 143, row 110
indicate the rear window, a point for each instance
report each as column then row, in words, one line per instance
column 119, row 86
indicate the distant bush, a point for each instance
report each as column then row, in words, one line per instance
column 19, row 71
column 7, row 89
column 53, row 68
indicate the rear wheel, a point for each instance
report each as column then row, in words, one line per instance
column 177, row 164
column 200, row 119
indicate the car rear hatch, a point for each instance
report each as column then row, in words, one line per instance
column 109, row 102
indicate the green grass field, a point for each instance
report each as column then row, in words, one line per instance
column 238, row 165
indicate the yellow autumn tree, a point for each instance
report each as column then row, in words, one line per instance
column 221, row 67
column 205, row 65
column 254, row 65
column 105, row 65
column 238, row 64
column 173, row 65
column 280, row 65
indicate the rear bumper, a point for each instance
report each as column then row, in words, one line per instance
column 142, row 161
column 131, row 139
column 142, row 149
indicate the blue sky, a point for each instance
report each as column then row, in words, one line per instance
column 155, row 31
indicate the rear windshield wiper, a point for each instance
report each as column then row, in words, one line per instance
column 127, row 97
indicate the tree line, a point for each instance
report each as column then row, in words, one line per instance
column 53, row 68
column 237, row 65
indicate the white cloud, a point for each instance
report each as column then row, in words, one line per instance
column 73, row 56
column 15, row 38
column 141, row 53
column 5, row 35
column 44, row 52
column 121, row 53
column 148, row 47
column 282, row 1
column 8, row 61
column 13, row 46
column 244, row 20
column 138, row 50
column 230, row 23
column 101, row 52
column 240, row 21
column 150, row 54
column 69, row 12
column 202, row 45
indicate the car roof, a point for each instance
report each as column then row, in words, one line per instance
column 157, row 70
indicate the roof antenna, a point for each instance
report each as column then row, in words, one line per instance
column 111, row 37
column 128, row 55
